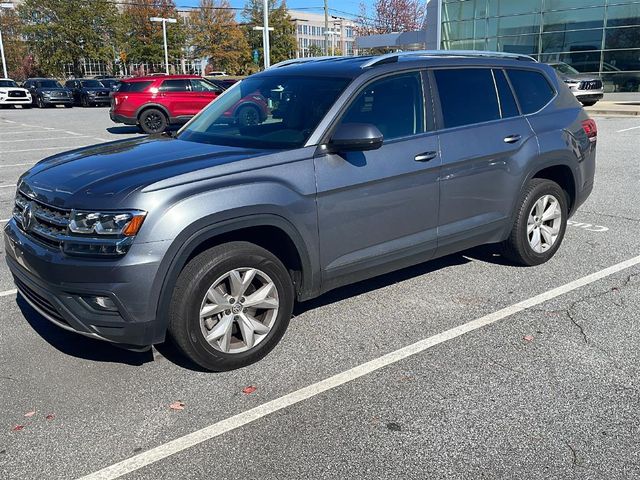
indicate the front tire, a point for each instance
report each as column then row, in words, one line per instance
column 40, row 103
column 152, row 121
column 231, row 305
column 540, row 223
column 589, row 104
column 248, row 116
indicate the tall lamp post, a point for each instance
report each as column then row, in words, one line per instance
column 265, row 33
column 4, row 61
column 164, row 36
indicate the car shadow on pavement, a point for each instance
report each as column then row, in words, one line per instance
column 78, row 346
column 124, row 130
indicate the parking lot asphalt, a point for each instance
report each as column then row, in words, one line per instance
column 548, row 391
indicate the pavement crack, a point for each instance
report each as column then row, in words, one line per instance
column 620, row 217
column 574, row 455
column 574, row 321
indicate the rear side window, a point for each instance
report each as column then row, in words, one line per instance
column 467, row 96
column 393, row 104
column 134, row 86
column 532, row 89
column 508, row 105
column 174, row 86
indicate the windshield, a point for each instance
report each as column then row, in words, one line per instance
column 49, row 84
column 91, row 84
column 564, row 68
column 266, row 112
column 8, row 83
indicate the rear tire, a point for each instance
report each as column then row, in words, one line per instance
column 257, row 271
column 589, row 104
column 152, row 121
column 540, row 224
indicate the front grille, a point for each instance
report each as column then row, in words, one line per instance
column 590, row 85
column 17, row 94
column 42, row 222
column 39, row 301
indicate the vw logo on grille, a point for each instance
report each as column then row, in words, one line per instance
column 27, row 216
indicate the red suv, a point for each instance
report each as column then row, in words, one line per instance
column 154, row 103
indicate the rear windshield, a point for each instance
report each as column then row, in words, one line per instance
column 8, row 83
column 134, row 86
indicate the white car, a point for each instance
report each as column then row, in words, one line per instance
column 12, row 94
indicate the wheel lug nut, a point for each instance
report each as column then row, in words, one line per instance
column 232, row 301
column 242, row 300
column 236, row 317
column 227, row 312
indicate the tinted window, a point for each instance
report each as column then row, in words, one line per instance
column 467, row 95
column 392, row 104
column 203, row 86
column 174, row 86
column 508, row 105
column 91, row 84
column 133, row 86
column 8, row 83
column 532, row 88
column 48, row 84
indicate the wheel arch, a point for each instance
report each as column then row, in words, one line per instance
column 272, row 232
column 157, row 106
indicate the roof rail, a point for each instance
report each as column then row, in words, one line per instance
column 394, row 57
column 295, row 61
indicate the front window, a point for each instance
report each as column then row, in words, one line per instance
column 276, row 112
column 49, row 84
column 8, row 83
column 91, row 84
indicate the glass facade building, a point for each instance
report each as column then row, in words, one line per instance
column 595, row 36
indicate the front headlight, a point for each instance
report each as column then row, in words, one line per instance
column 46, row 92
column 91, row 92
column 125, row 224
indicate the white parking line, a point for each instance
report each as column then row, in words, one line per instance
column 182, row 443
column 67, row 147
column 627, row 129
column 4, row 220
column 8, row 293
column 7, row 186
column 17, row 164
column 42, row 139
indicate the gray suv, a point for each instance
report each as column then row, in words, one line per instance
column 363, row 165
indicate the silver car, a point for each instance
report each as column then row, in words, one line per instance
column 587, row 87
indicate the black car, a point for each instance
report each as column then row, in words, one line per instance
column 47, row 92
column 111, row 83
column 88, row 92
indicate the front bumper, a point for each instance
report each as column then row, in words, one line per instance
column 100, row 99
column 57, row 100
column 54, row 284
column 16, row 101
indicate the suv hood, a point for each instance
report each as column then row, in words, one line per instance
column 102, row 176
column 13, row 89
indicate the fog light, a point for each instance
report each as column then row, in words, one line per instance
column 101, row 303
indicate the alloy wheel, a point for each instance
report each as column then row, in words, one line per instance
column 239, row 310
column 544, row 223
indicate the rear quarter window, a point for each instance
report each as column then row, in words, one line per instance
column 532, row 89
column 467, row 96
column 134, row 86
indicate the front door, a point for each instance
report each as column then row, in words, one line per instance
column 202, row 94
column 377, row 210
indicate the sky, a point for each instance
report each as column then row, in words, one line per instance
column 345, row 6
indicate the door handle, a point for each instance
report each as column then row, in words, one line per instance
column 512, row 138
column 425, row 157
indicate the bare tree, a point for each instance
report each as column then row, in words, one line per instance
column 391, row 16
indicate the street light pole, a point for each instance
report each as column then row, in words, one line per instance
column 265, row 33
column 164, row 36
column 4, row 61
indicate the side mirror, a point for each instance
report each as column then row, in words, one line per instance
column 355, row 137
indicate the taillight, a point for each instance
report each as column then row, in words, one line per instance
column 591, row 129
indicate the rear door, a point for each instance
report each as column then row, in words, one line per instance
column 485, row 144
column 202, row 93
column 378, row 209
column 175, row 95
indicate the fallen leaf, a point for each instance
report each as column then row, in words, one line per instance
column 30, row 414
column 17, row 428
column 50, row 416
column 177, row 405
column 249, row 390
column 528, row 338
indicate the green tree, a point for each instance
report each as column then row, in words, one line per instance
column 282, row 38
column 141, row 40
column 215, row 34
column 60, row 32
column 315, row 51
column 15, row 49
